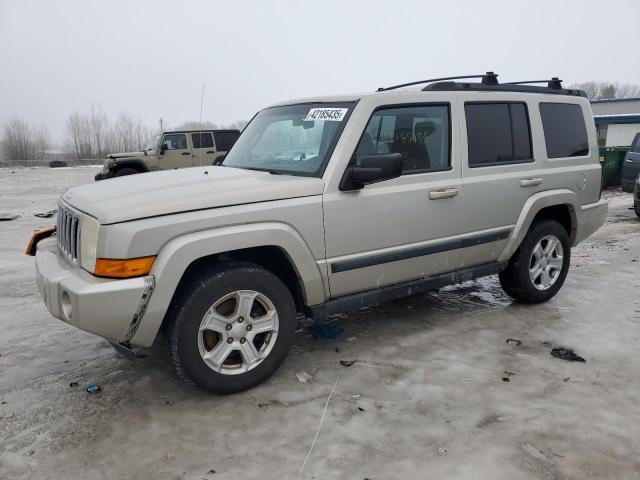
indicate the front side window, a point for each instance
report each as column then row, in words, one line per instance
column 292, row 139
column 175, row 141
column 202, row 140
column 498, row 133
column 419, row 133
column 564, row 130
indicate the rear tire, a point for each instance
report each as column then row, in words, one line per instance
column 231, row 328
column 538, row 268
column 125, row 171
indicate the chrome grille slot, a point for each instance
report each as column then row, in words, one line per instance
column 68, row 227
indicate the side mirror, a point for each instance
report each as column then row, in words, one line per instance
column 220, row 159
column 163, row 148
column 372, row 169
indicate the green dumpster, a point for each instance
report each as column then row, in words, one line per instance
column 611, row 159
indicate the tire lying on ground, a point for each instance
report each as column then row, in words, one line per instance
column 539, row 267
column 230, row 328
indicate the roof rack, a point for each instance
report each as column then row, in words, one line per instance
column 555, row 82
column 489, row 82
column 488, row 78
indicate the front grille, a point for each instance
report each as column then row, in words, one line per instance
column 68, row 231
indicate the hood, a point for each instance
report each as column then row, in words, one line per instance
column 172, row 191
column 126, row 154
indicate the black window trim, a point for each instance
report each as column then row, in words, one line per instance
column 510, row 162
column 406, row 105
column 586, row 131
column 635, row 144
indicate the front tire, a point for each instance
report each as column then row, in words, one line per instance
column 231, row 328
column 125, row 171
column 537, row 270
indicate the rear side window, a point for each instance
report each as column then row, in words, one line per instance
column 419, row 132
column 202, row 140
column 225, row 140
column 564, row 130
column 498, row 133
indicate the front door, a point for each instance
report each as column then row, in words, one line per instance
column 177, row 153
column 399, row 229
column 204, row 151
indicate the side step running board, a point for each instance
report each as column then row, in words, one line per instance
column 391, row 292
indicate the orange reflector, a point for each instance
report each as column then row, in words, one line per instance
column 135, row 267
column 38, row 235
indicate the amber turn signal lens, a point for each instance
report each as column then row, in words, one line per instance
column 135, row 267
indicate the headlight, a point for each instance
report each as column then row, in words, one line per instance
column 88, row 243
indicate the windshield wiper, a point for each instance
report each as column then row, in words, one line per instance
column 255, row 169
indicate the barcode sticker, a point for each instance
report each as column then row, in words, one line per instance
column 326, row 114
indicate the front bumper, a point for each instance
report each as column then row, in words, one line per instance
column 109, row 308
column 592, row 217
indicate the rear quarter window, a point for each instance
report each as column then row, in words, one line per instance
column 565, row 132
column 225, row 140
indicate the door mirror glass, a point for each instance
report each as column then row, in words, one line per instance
column 373, row 169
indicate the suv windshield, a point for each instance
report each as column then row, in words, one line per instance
column 293, row 139
column 152, row 143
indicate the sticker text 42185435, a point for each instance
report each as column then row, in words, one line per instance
column 326, row 114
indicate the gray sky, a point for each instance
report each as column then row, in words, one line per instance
column 150, row 57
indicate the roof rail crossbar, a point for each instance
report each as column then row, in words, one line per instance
column 555, row 82
column 488, row 78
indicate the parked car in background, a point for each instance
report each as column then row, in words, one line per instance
column 325, row 205
column 171, row 150
column 631, row 166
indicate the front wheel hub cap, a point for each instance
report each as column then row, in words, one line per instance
column 238, row 332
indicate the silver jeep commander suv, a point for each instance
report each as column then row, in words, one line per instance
column 324, row 205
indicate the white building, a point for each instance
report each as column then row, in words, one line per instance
column 617, row 121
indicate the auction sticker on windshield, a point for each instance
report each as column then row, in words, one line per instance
column 326, row 114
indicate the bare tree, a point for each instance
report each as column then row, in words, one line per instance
column 79, row 134
column 92, row 135
column 608, row 90
column 99, row 124
column 21, row 141
column 127, row 134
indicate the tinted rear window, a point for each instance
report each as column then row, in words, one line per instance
column 202, row 140
column 225, row 140
column 564, row 130
column 498, row 133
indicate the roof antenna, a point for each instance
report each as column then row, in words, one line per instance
column 200, row 120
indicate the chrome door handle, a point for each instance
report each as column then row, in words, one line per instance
column 443, row 193
column 186, row 153
column 628, row 160
column 531, row 182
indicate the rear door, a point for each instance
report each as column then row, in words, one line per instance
column 177, row 151
column 499, row 170
column 631, row 165
column 204, row 150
